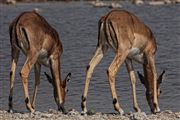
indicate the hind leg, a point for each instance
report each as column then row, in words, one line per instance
column 93, row 63
column 111, row 72
column 14, row 60
column 30, row 61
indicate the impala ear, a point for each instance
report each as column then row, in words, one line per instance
column 141, row 77
column 49, row 78
column 67, row 78
column 160, row 79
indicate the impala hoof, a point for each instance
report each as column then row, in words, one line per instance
column 137, row 109
column 32, row 111
column 62, row 109
column 121, row 112
column 84, row 113
column 157, row 110
column 10, row 110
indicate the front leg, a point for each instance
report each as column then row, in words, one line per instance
column 30, row 61
column 37, row 70
column 151, row 60
column 55, row 71
column 132, row 76
column 93, row 63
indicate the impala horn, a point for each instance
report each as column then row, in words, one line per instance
column 159, row 80
column 67, row 78
column 51, row 81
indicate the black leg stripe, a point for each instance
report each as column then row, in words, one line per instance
column 10, row 105
column 82, row 106
column 11, row 73
column 88, row 67
column 10, row 98
column 83, row 98
column 107, row 72
column 114, row 101
column 27, row 100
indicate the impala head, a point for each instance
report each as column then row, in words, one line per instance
column 63, row 87
column 149, row 89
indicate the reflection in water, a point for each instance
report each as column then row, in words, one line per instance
column 76, row 23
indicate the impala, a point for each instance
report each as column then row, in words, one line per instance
column 40, row 43
column 131, row 40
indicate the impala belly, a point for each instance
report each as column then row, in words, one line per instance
column 43, row 57
column 136, row 55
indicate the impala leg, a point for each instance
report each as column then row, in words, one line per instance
column 132, row 76
column 37, row 70
column 14, row 60
column 151, row 60
column 147, row 74
column 55, row 71
column 30, row 61
column 111, row 72
column 93, row 63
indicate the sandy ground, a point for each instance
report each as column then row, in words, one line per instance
column 75, row 115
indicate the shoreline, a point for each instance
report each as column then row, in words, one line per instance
column 98, row 3
column 52, row 114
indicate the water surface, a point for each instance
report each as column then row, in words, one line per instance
column 76, row 23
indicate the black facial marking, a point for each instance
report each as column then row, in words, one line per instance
column 27, row 100
column 83, row 98
column 11, row 73
column 114, row 101
column 88, row 67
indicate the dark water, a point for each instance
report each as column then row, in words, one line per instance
column 76, row 23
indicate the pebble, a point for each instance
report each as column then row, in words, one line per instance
column 75, row 115
column 139, row 116
column 177, row 115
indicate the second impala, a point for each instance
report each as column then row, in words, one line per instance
column 131, row 40
column 31, row 34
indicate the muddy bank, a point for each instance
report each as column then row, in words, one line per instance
column 75, row 115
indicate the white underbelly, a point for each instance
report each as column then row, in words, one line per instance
column 136, row 55
column 43, row 58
